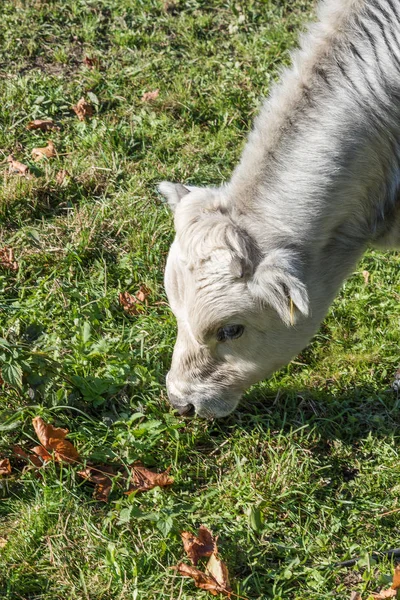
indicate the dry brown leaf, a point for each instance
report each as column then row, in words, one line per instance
column 217, row 569
column 83, row 109
column 133, row 304
column 17, row 167
column 197, row 546
column 27, row 456
column 128, row 303
column 355, row 596
column 7, row 260
column 396, row 578
column 91, row 62
column 45, row 431
column 142, row 294
column 382, row 595
column 42, row 453
column 5, row 467
column 48, row 151
column 392, row 591
column 62, row 176
column 143, row 479
column 53, row 439
column 42, row 124
column 202, row 580
column 150, row 96
column 366, row 277
column 3, row 542
column 100, row 476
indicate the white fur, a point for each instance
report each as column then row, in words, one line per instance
column 317, row 182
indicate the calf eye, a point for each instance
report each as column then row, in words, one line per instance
column 229, row 332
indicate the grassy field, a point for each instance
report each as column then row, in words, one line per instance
column 306, row 472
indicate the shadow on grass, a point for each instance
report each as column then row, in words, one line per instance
column 348, row 417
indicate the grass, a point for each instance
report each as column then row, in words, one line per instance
column 306, row 472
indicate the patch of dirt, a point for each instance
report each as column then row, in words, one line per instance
column 76, row 56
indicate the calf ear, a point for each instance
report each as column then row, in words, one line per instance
column 276, row 282
column 173, row 193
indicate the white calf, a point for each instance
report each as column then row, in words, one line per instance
column 256, row 262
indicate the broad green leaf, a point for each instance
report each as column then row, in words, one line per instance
column 12, row 374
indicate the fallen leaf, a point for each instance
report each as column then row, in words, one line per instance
column 142, row 294
column 42, row 453
column 5, row 467
column 366, row 277
column 3, row 542
column 48, row 151
column 83, row 109
column 382, row 595
column 62, row 176
column 150, row 96
column 143, row 479
column 202, row 580
column 27, row 456
column 42, row 124
column 197, row 546
column 355, row 596
column 133, row 304
column 128, row 303
column 100, row 476
column 217, row 569
column 17, row 167
column 53, row 439
column 91, row 62
column 7, row 260
column 396, row 578
column 392, row 591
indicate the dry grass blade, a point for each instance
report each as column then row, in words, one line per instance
column 7, row 260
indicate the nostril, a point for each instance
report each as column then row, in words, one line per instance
column 187, row 411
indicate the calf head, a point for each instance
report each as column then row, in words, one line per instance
column 236, row 308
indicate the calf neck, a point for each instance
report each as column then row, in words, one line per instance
column 256, row 263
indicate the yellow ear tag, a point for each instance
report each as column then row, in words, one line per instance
column 291, row 312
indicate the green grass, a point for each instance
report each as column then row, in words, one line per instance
column 303, row 474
